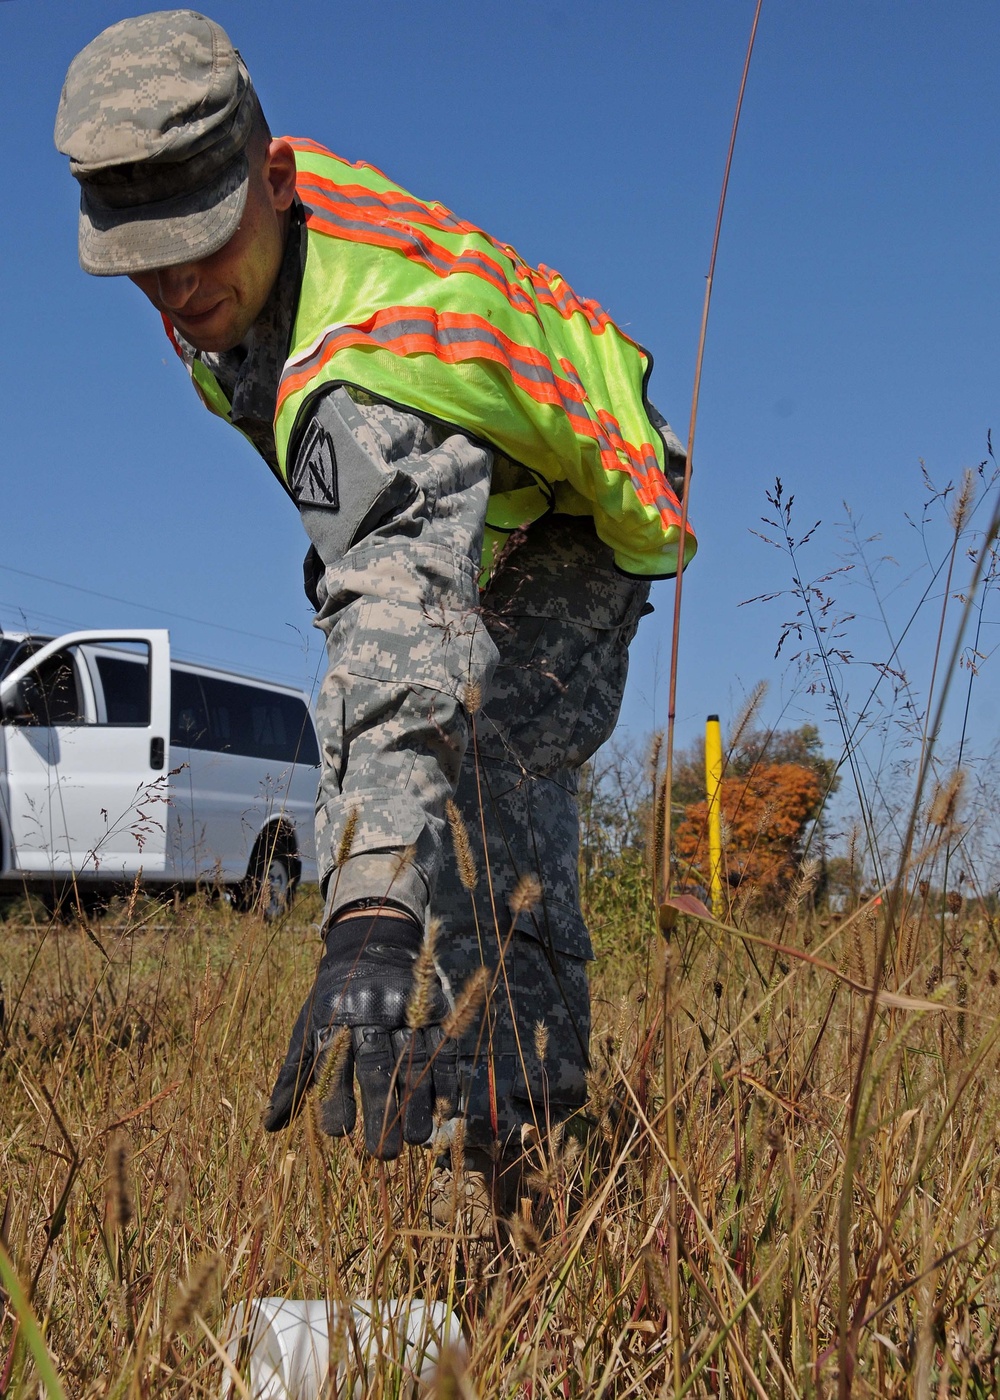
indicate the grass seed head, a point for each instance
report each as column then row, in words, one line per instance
column 963, row 501
column 805, row 884
column 449, row 1376
column 944, row 807
column 467, row 1004
column 527, row 893
column 473, row 697
column 858, row 962
column 425, row 978
column 655, row 753
column 193, row 1294
column 746, row 716
column 333, row 1065
column 177, row 1195
column 119, row 1206
column 467, row 872
column 347, row 837
column 526, row 1238
column 657, row 1277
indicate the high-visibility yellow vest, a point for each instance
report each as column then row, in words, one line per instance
column 416, row 307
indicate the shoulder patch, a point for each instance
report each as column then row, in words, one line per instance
column 314, row 472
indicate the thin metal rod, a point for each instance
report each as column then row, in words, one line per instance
column 669, row 1087
column 664, row 863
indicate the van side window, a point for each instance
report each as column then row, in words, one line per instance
column 259, row 723
column 297, row 728
column 125, row 682
column 50, row 694
column 188, row 715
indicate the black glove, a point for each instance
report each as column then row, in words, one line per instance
column 366, row 981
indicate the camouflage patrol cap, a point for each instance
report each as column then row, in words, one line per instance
column 155, row 115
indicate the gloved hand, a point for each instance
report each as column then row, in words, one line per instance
column 403, row 1061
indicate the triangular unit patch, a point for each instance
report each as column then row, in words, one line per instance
column 314, row 474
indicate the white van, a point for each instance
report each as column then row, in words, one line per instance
column 117, row 763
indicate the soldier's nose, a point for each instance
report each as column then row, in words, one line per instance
column 176, row 285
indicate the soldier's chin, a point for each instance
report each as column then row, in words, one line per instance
column 214, row 331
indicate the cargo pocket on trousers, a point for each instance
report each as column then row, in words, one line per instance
column 558, row 928
column 451, row 653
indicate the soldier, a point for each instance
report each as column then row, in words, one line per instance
column 487, row 492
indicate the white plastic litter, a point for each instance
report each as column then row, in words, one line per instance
column 290, row 1341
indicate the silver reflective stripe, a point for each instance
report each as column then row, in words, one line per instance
column 395, row 206
column 470, row 260
column 443, row 335
column 403, row 236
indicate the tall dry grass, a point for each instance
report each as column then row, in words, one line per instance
column 141, row 1199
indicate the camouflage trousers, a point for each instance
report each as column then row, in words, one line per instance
column 562, row 618
column 496, row 699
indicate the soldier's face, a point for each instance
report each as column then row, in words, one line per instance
column 213, row 302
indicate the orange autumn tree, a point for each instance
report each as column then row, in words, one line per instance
column 764, row 817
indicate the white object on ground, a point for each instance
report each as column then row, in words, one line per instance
column 292, row 1341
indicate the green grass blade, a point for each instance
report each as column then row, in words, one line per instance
column 30, row 1327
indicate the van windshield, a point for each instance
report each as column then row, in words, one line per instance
column 14, row 650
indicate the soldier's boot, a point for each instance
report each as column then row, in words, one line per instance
column 475, row 1203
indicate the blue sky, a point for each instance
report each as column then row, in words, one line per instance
column 853, row 329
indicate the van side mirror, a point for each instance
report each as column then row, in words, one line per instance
column 13, row 709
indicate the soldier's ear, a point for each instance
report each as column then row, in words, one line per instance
column 279, row 173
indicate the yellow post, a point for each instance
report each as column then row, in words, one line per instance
column 713, row 792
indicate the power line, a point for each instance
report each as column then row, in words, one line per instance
column 28, row 620
column 144, row 607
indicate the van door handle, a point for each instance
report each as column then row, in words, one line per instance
column 156, row 754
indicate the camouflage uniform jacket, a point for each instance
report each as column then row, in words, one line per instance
column 396, row 517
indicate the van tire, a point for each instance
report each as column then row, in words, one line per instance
column 269, row 888
column 278, row 889
column 64, row 904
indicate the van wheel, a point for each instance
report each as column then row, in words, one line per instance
column 269, row 891
column 277, row 889
column 66, row 904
